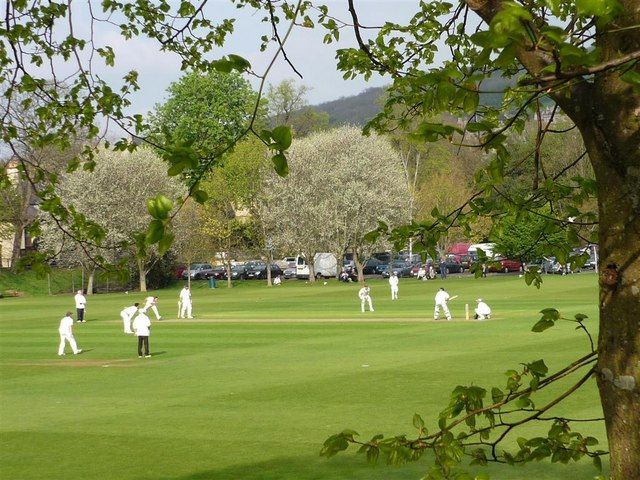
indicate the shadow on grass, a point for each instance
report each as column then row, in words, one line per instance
column 356, row 468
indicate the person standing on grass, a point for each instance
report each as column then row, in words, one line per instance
column 365, row 296
column 151, row 303
column 393, row 281
column 81, row 304
column 442, row 297
column 127, row 314
column 142, row 327
column 185, row 302
column 66, row 335
column 443, row 269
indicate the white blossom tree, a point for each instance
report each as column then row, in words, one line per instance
column 340, row 184
column 114, row 196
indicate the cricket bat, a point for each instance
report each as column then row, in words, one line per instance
column 455, row 296
column 179, row 307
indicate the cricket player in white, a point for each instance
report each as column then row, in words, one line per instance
column 142, row 327
column 483, row 311
column 393, row 281
column 66, row 335
column 364, row 295
column 127, row 314
column 442, row 297
column 150, row 303
column 81, row 304
column 185, row 302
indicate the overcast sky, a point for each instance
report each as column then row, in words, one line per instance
column 313, row 59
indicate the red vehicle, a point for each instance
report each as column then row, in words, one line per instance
column 505, row 265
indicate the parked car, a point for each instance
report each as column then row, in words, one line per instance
column 179, row 270
column 501, row 264
column 402, row 269
column 369, row 267
column 258, row 271
column 467, row 261
column 198, row 271
column 383, row 269
column 289, row 272
column 452, row 265
column 219, row 272
column 238, row 272
column 543, row 265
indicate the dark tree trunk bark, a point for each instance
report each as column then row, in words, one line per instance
column 359, row 266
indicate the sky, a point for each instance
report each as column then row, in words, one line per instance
column 313, row 59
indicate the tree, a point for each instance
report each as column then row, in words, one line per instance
column 287, row 105
column 310, row 214
column 205, row 112
column 113, row 198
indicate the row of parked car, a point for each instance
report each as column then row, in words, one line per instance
column 254, row 269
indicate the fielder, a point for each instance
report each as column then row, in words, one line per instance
column 142, row 327
column 66, row 335
column 150, row 303
column 442, row 297
column 364, row 295
column 483, row 311
column 81, row 303
column 393, row 281
column 127, row 314
column 185, row 303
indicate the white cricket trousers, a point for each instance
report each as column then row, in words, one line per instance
column 155, row 310
column 394, row 293
column 72, row 342
column 126, row 320
column 363, row 301
column 185, row 311
column 445, row 309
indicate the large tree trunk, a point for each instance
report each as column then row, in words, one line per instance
column 617, row 164
column 17, row 244
column 607, row 112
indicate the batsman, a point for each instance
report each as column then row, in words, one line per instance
column 442, row 297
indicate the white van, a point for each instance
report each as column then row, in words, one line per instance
column 487, row 248
column 324, row 265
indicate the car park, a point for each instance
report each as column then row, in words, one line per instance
column 198, row 271
column 218, row 272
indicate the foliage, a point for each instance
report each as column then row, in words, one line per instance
column 287, row 105
column 114, row 199
column 339, row 186
column 204, row 115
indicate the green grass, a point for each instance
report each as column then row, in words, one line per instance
column 252, row 387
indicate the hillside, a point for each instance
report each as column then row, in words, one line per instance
column 359, row 109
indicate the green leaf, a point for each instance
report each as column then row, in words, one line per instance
column 542, row 325
column 155, row 231
column 632, row 77
column 200, row 196
column 418, row 422
column 165, row 243
column 280, row 164
column 239, row 63
column 282, row 137
column 597, row 462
